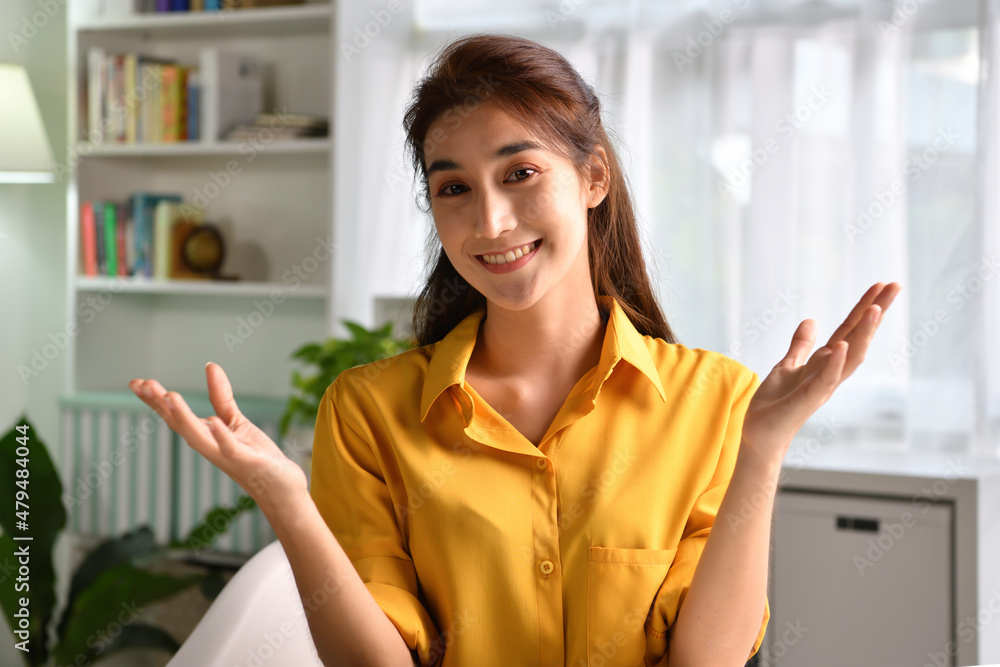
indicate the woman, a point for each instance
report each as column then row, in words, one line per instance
column 537, row 483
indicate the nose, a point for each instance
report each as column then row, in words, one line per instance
column 493, row 215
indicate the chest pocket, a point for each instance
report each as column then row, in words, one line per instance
column 622, row 584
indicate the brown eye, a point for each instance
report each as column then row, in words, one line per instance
column 446, row 191
column 522, row 170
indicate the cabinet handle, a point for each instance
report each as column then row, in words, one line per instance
column 857, row 523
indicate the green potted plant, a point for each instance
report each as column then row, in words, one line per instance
column 118, row 577
column 327, row 360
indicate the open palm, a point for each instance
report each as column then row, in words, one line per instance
column 795, row 389
column 229, row 440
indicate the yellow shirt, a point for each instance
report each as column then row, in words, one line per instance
column 485, row 550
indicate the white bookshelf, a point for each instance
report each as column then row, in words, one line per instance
column 186, row 148
column 275, row 213
column 272, row 20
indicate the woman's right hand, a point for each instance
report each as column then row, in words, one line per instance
column 229, row 441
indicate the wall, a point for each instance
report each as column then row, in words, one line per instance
column 33, row 238
column 32, row 227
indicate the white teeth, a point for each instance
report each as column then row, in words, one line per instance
column 510, row 255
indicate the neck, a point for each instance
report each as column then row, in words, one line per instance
column 552, row 341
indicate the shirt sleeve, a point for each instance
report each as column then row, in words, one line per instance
column 675, row 586
column 350, row 491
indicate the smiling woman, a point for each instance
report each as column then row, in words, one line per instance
column 549, row 478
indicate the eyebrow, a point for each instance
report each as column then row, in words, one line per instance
column 502, row 152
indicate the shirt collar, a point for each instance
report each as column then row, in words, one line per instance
column 451, row 355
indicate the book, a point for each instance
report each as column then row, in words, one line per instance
column 193, row 104
column 120, row 247
column 143, row 216
column 125, row 214
column 95, row 93
column 110, row 239
column 99, row 242
column 163, row 221
column 88, row 239
column 231, row 91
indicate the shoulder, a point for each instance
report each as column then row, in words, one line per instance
column 396, row 378
column 699, row 371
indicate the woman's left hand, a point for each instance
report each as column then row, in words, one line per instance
column 794, row 390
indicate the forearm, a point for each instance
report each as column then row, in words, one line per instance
column 347, row 625
column 720, row 616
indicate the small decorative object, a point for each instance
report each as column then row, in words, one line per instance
column 203, row 250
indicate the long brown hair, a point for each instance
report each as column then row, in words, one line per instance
column 538, row 87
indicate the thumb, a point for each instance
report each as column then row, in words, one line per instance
column 220, row 393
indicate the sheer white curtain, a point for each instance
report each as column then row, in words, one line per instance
column 784, row 156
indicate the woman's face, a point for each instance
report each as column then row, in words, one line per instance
column 497, row 194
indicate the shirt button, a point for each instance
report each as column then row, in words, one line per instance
column 541, row 463
column 547, row 567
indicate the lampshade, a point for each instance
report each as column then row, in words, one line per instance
column 25, row 155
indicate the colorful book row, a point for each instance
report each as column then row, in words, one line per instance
column 130, row 238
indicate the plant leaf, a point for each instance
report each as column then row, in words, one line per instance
column 109, row 553
column 114, row 600
column 216, row 522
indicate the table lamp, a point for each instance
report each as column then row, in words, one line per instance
column 25, row 155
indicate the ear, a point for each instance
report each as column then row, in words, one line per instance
column 599, row 182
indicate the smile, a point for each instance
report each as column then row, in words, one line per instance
column 511, row 260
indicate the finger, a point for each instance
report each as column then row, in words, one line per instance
column 173, row 409
column 228, row 443
column 220, row 393
column 149, row 391
column 802, row 343
column 856, row 314
column 860, row 339
column 879, row 295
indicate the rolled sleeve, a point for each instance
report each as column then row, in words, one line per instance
column 674, row 589
column 351, row 493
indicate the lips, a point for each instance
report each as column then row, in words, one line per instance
column 507, row 265
column 509, row 255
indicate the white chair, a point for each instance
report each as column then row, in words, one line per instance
column 256, row 620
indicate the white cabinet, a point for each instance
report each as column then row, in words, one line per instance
column 859, row 581
column 884, row 558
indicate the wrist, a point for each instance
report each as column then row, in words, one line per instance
column 766, row 463
column 288, row 509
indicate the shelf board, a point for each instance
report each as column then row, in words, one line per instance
column 196, row 287
column 185, row 149
column 309, row 18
